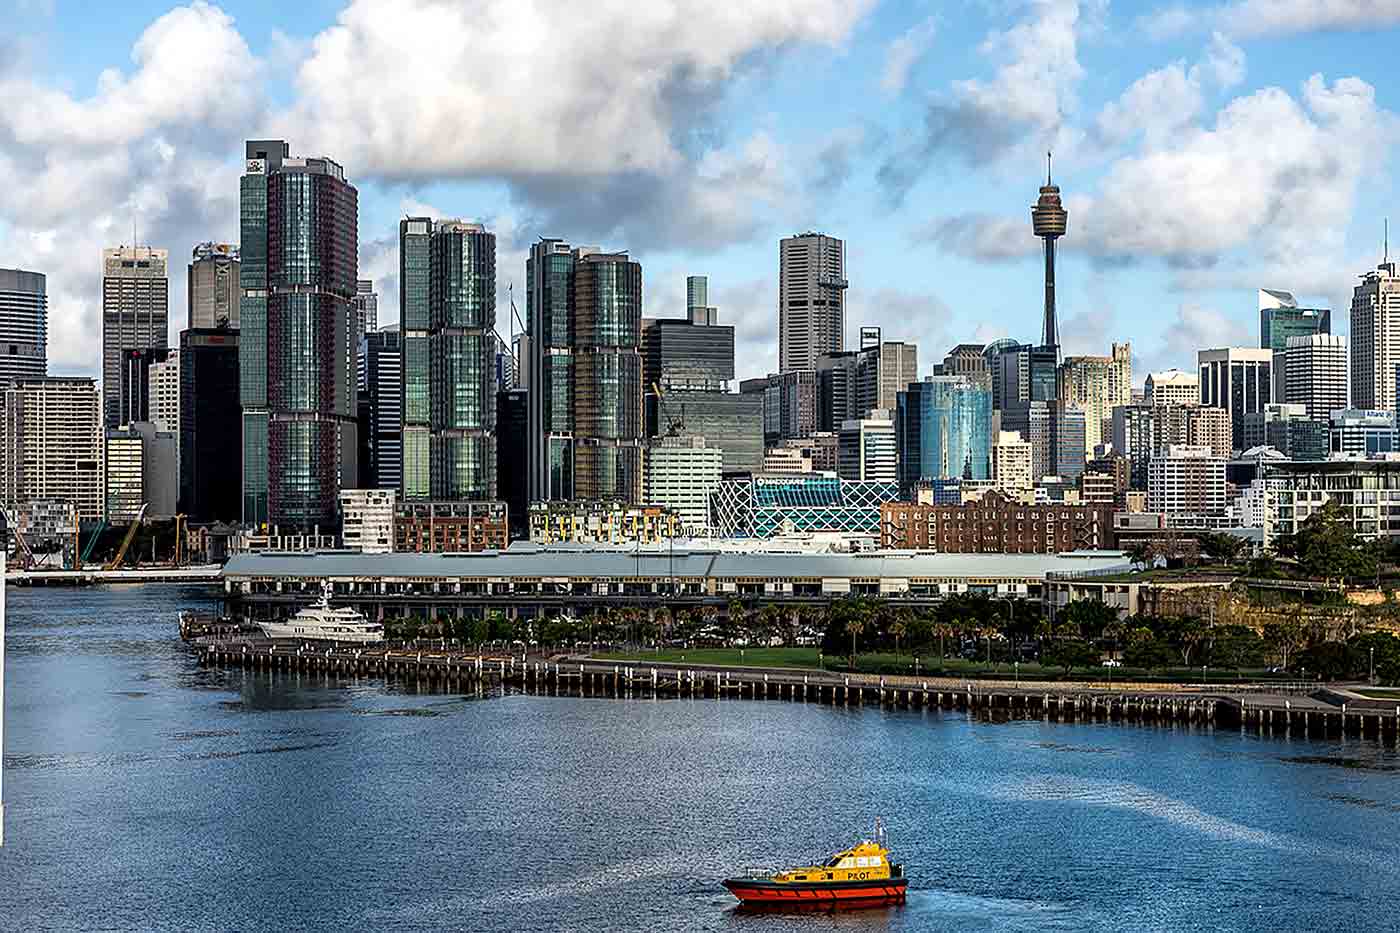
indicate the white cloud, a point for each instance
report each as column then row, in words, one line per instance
column 904, row 53
column 424, row 89
column 1269, row 172
column 1023, row 107
column 1162, row 102
column 147, row 151
column 1255, row 18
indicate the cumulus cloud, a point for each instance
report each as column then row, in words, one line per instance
column 1288, row 181
column 608, row 125
column 144, row 154
column 836, row 158
column 904, row 53
column 1254, row 18
column 1026, row 102
column 1162, row 102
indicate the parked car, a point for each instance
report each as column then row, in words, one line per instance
column 1113, row 662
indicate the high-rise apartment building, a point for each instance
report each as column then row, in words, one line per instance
column 299, row 258
column 213, row 290
column 1375, row 338
column 379, row 383
column 24, row 325
column 53, row 440
column 1120, row 378
column 585, row 312
column 1315, row 374
column 1145, row 430
column 1237, row 379
column 461, row 354
column 135, row 314
column 210, row 444
column 811, row 299
column 365, row 307
column 1171, row 387
column 943, row 426
column 142, row 470
column 1187, row 480
column 1013, row 463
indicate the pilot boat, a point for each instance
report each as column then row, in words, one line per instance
column 860, row 876
column 323, row 622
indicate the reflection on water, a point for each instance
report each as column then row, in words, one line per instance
column 146, row 793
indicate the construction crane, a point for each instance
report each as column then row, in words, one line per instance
column 674, row 426
column 116, row 562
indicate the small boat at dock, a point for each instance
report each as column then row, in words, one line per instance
column 862, row 876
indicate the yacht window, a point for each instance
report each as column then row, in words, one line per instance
column 862, row 862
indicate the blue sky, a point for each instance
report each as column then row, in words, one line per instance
column 1204, row 150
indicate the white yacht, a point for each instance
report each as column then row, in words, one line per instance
column 320, row 621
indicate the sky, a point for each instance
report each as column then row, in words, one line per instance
column 1204, row 150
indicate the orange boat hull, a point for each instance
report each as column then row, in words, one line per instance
column 830, row 893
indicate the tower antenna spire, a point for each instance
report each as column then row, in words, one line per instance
column 1385, row 243
column 1047, row 168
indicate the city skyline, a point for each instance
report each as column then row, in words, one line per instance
column 1203, row 77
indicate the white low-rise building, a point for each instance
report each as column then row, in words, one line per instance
column 367, row 520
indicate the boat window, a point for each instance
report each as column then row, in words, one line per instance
column 874, row 860
column 832, row 862
column 847, row 863
column 862, row 862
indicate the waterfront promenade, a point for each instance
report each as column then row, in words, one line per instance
column 1297, row 708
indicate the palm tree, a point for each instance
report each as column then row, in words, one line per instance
column 1139, row 553
column 943, row 630
column 855, row 625
column 903, row 618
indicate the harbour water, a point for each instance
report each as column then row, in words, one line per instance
column 146, row 793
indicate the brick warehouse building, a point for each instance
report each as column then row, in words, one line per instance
column 996, row 524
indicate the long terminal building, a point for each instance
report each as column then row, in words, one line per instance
column 534, row 582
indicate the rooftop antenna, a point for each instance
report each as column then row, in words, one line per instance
column 1385, row 244
column 1047, row 168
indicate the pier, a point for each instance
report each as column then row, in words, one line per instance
column 1275, row 709
column 204, row 575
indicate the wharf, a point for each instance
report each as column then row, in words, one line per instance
column 1277, row 709
column 203, row 575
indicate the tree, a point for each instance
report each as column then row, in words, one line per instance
column 1237, row 647
column 943, row 630
column 903, row 620
column 1068, row 654
column 1186, row 634
column 1326, row 547
column 1089, row 616
column 1287, row 636
column 1224, row 548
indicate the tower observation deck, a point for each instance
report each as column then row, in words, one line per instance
column 1049, row 219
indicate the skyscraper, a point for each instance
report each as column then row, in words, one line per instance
column 53, row 442
column 300, row 236
column 811, row 299
column 209, row 408
column 24, row 325
column 549, row 277
column 461, row 354
column 608, row 377
column 1281, row 318
column 262, row 159
column 135, row 309
column 380, row 385
column 415, row 240
column 584, row 315
column 1375, row 338
column 944, row 429
column 1315, row 369
column 1239, row 380
column 1083, row 383
column 213, row 286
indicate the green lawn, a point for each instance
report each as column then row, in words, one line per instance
column 886, row 663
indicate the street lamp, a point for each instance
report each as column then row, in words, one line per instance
column 1372, row 678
